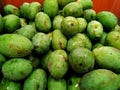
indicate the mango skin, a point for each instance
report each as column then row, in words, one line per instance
column 14, row 45
column 24, row 10
column 81, row 60
column 36, row 81
column 99, row 79
column 59, row 41
column 107, row 57
column 51, row 7
column 56, row 84
column 11, row 23
column 72, row 9
column 41, row 43
column 7, row 84
column 28, row 31
column 113, row 39
column 69, row 26
column 33, row 9
column 16, row 69
column 107, row 19
column 11, row 9
column 58, row 64
column 79, row 40
column 43, row 22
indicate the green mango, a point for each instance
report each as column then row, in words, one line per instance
column 81, row 60
column 41, row 43
column 24, row 10
column 11, row 9
column 94, row 30
column 59, row 41
column 16, row 69
column 51, row 7
column 100, row 79
column 69, row 26
column 86, row 4
column 62, row 3
column 82, row 24
column 36, row 81
column 79, row 40
column 7, row 84
column 58, row 64
column 28, row 31
column 113, row 39
column 2, row 60
column 34, row 8
column 57, row 22
column 107, row 57
column 107, row 19
column 74, row 83
column 43, row 22
column 89, row 15
column 14, row 45
column 72, row 9
column 11, row 23
column 56, row 84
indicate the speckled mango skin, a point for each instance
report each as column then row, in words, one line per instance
column 100, row 79
column 58, row 64
column 108, row 57
column 14, row 45
column 36, row 81
column 16, row 69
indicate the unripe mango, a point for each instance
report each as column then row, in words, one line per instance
column 14, row 45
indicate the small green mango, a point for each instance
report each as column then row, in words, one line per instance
column 58, row 64
column 69, row 26
column 72, row 9
column 107, row 19
column 51, row 7
column 113, row 39
column 56, row 84
column 11, row 9
column 16, row 69
column 28, row 31
column 107, row 57
column 23, row 22
column 100, row 79
column 24, row 10
column 59, row 41
column 14, row 45
column 79, row 40
column 33, row 9
column 36, row 81
column 11, row 23
column 81, row 60
column 43, row 22
column 86, row 4
column 41, row 43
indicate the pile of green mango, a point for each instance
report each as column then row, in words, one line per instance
column 60, row 45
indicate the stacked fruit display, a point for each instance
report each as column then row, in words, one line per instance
column 62, row 45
